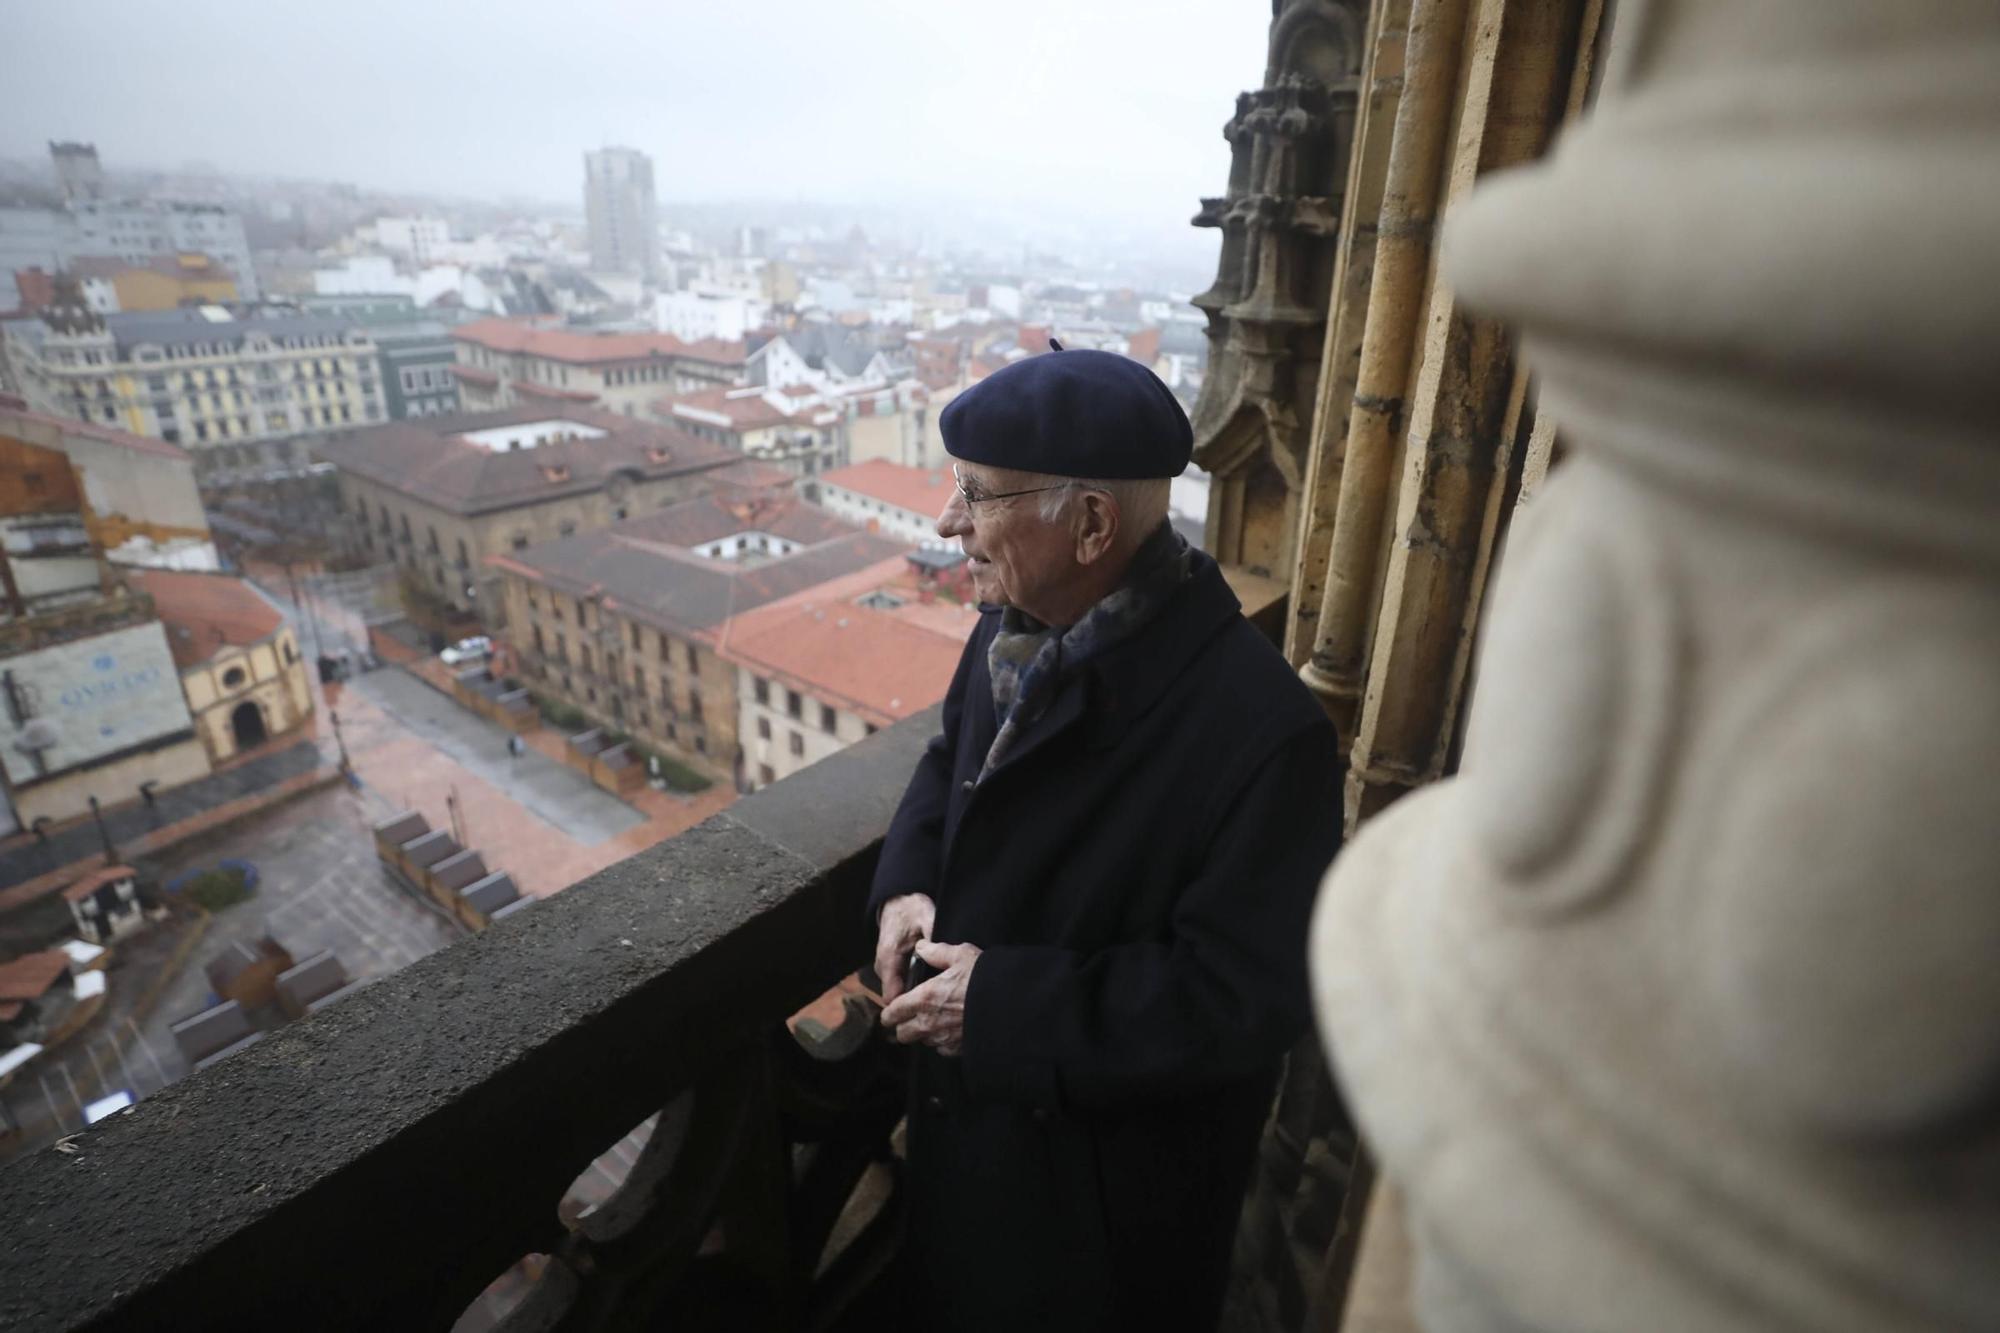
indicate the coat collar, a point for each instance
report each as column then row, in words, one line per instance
column 1129, row 679
column 1116, row 688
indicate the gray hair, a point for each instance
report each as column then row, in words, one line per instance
column 1142, row 503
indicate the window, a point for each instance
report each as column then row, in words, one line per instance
column 763, row 692
column 872, row 728
column 701, row 744
column 232, row 678
column 583, row 657
column 291, row 653
column 763, row 728
column 566, row 528
column 521, row 544
column 664, row 653
column 798, row 745
column 694, row 707
column 794, row 704
column 692, row 661
column 765, row 775
column 538, row 638
column 635, row 638
column 826, row 719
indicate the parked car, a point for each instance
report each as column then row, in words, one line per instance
column 475, row 649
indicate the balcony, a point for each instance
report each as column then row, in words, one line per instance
column 380, row 1164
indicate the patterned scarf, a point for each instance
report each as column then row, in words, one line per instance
column 1028, row 659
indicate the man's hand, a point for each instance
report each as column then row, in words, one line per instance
column 934, row 1013
column 903, row 922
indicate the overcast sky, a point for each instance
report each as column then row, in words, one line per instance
column 1105, row 109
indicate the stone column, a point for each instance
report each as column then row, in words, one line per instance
column 1677, row 1008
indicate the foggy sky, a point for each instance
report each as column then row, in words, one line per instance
column 1091, row 109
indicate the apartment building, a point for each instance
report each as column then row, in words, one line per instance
column 620, row 211
column 505, row 363
column 440, row 495
column 232, row 389
column 631, row 624
column 822, row 669
column 897, row 501
column 796, row 428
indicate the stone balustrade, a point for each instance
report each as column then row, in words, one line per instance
column 381, row 1163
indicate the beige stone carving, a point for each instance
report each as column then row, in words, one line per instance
column 1679, row 1007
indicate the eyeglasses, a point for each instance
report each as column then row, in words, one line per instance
column 972, row 495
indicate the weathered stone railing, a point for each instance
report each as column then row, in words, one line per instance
column 379, row 1164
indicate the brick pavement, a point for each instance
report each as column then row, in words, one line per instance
column 410, row 772
column 323, row 886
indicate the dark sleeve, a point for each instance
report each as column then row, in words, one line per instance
column 1219, row 1000
column 913, row 848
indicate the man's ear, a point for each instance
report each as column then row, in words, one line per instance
column 1096, row 527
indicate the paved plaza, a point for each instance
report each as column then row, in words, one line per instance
column 411, row 746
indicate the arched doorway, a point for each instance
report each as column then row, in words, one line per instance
column 246, row 720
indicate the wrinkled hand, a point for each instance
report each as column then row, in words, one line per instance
column 934, row 1013
column 904, row 921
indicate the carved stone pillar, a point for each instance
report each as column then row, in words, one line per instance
column 1677, row 1007
column 1267, row 309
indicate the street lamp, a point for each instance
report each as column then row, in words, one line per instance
column 103, row 833
column 334, row 717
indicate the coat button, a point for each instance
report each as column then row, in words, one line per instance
column 1042, row 1115
column 934, row 1104
column 967, row 785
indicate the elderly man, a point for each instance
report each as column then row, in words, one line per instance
column 1104, row 865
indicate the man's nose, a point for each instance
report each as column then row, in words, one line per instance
column 954, row 521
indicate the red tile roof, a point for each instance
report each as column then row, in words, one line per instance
column 748, row 408
column 553, row 344
column 985, row 364
column 823, row 642
column 751, row 475
column 716, row 350
column 206, row 612
column 426, row 459
column 38, row 289
column 921, row 490
column 1144, row 346
column 30, row 976
column 645, row 570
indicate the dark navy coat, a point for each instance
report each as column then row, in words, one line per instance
column 1139, row 872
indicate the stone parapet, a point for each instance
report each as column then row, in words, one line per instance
column 379, row 1163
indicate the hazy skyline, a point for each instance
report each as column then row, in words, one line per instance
column 1111, row 110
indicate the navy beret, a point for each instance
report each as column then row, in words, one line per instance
column 1071, row 414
